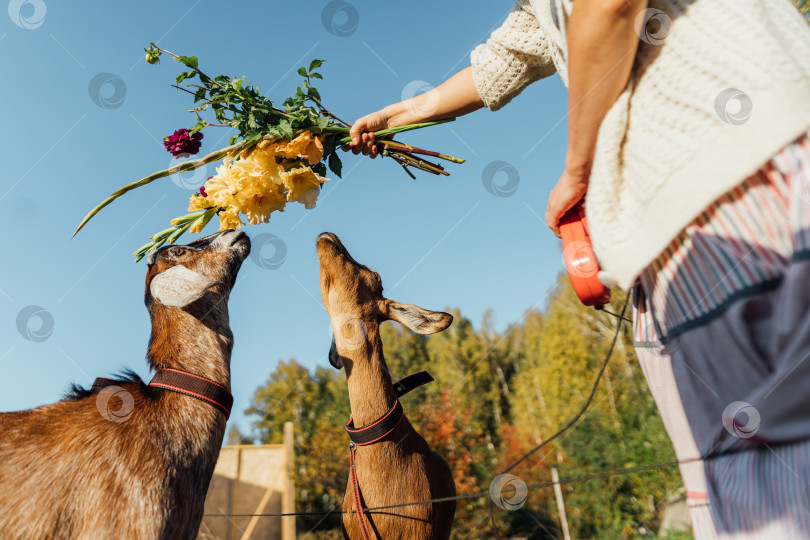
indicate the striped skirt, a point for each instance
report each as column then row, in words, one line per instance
column 722, row 332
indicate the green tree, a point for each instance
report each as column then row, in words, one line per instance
column 318, row 405
column 496, row 396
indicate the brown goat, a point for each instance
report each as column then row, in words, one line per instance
column 134, row 463
column 400, row 468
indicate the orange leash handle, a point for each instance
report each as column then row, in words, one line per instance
column 580, row 259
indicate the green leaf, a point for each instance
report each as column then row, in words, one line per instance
column 190, row 61
column 335, row 165
column 302, row 71
column 285, row 127
column 314, row 65
column 314, row 93
column 273, row 131
column 319, row 168
column 322, row 122
column 185, row 75
column 316, row 75
column 328, row 145
column 253, row 135
column 199, row 94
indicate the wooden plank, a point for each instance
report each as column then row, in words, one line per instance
column 288, row 495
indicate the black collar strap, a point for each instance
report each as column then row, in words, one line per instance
column 411, row 382
column 384, row 425
column 185, row 383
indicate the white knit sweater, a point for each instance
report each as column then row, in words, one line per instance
column 664, row 153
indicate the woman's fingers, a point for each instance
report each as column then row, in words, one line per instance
column 357, row 130
column 568, row 192
column 367, row 143
column 361, row 133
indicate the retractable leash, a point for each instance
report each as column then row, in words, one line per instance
column 583, row 270
column 580, row 260
column 375, row 432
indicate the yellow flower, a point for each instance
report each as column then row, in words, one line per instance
column 303, row 185
column 198, row 202
column 229, row 219
column 262, row 164
column 223, row 186
column 258, row 201
column 304, row 146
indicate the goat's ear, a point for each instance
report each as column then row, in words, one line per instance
column 334, row 358
column 178, row 286
column 420, row 320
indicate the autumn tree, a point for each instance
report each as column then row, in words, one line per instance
column 497, row 395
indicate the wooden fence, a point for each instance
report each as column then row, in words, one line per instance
column 252, row 480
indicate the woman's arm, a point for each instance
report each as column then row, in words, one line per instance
column 456, row 96
column 602, row 44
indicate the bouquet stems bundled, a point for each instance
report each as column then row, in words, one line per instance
column 278, row 156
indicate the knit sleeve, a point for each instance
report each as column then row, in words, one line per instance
column 514, row 56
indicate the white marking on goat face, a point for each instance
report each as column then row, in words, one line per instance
column 178, row 286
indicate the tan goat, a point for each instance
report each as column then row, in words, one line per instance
column 400, row 467
column 132, row 461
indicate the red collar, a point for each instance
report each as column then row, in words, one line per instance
column 373, row 432
column 185, row 383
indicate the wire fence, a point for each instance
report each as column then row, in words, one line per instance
column 467, row 496
column 508, row 489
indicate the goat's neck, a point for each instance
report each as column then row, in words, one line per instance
column 196, row 343
column 371, row 392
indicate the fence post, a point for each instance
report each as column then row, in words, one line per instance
column 288, row 496
column 233, row 491
column 555, row 477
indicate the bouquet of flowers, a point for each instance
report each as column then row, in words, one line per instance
column 279, row 155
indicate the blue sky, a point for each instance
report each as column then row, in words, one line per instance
column 438, row 241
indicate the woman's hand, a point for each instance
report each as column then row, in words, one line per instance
column 568, row 192
column 362, row 138
column 456, row 96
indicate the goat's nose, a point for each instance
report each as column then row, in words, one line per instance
column 207, row 240
column 231, row 237
column 329, row 237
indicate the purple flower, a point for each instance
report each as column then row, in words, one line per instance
column 180, row 142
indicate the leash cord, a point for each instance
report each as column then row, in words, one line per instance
column 539, row 485
column 565, row 428
column 574, row 420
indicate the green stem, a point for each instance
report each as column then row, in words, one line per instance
column 139, row 254
column 235, row 149
column 180, row 167
column 162, row 234
column 192, row 216
column 177, row 233
column 389, row 131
